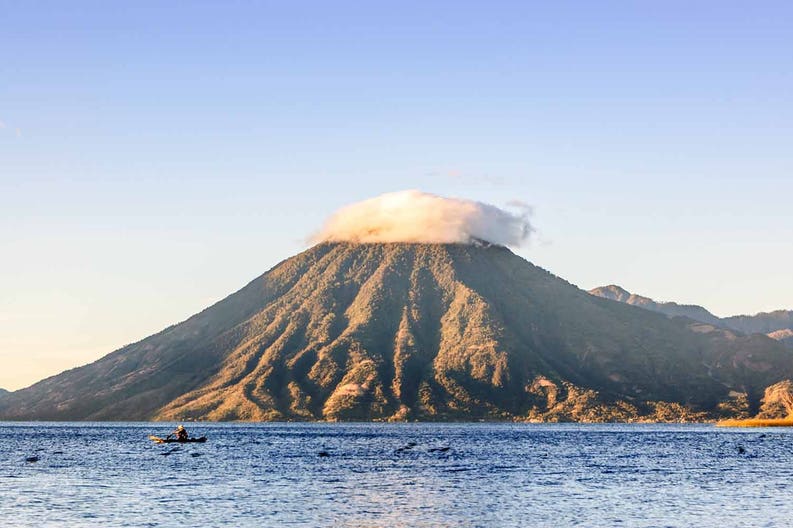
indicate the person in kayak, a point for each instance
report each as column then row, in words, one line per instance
column 181, row 433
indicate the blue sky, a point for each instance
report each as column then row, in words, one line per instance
column 155, row 158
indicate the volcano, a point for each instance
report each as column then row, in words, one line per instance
column 402, row 331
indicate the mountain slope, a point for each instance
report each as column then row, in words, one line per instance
column 777, row 325
column 132, row 382
column 783, row 336
column 427, row 331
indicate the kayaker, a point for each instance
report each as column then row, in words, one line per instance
column 181, row 433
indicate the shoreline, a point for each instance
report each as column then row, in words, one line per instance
column 742, row 423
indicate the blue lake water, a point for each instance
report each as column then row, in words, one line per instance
column 490, row 475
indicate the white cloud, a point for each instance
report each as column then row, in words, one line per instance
column 415, row 216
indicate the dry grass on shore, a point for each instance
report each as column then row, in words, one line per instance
column 757, row 422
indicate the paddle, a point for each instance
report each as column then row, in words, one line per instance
column 160, row 440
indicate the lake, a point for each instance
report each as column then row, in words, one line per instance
column 276, row 474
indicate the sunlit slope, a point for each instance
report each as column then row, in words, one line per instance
column 424, row 331
column 134, row 381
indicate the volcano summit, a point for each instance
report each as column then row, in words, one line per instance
column 428, row 331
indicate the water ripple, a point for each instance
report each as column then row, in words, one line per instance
column 396, row 475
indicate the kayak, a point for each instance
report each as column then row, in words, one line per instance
column 158, row 440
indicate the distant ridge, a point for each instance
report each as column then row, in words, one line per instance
column 776, row 325
column 761, row 323
column 672, row 309
column 410, row 331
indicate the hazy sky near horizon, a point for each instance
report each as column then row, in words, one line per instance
column 154, row 158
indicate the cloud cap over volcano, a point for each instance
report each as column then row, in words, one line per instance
column 415, row 216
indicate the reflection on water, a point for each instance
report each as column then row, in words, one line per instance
column 396, row 475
